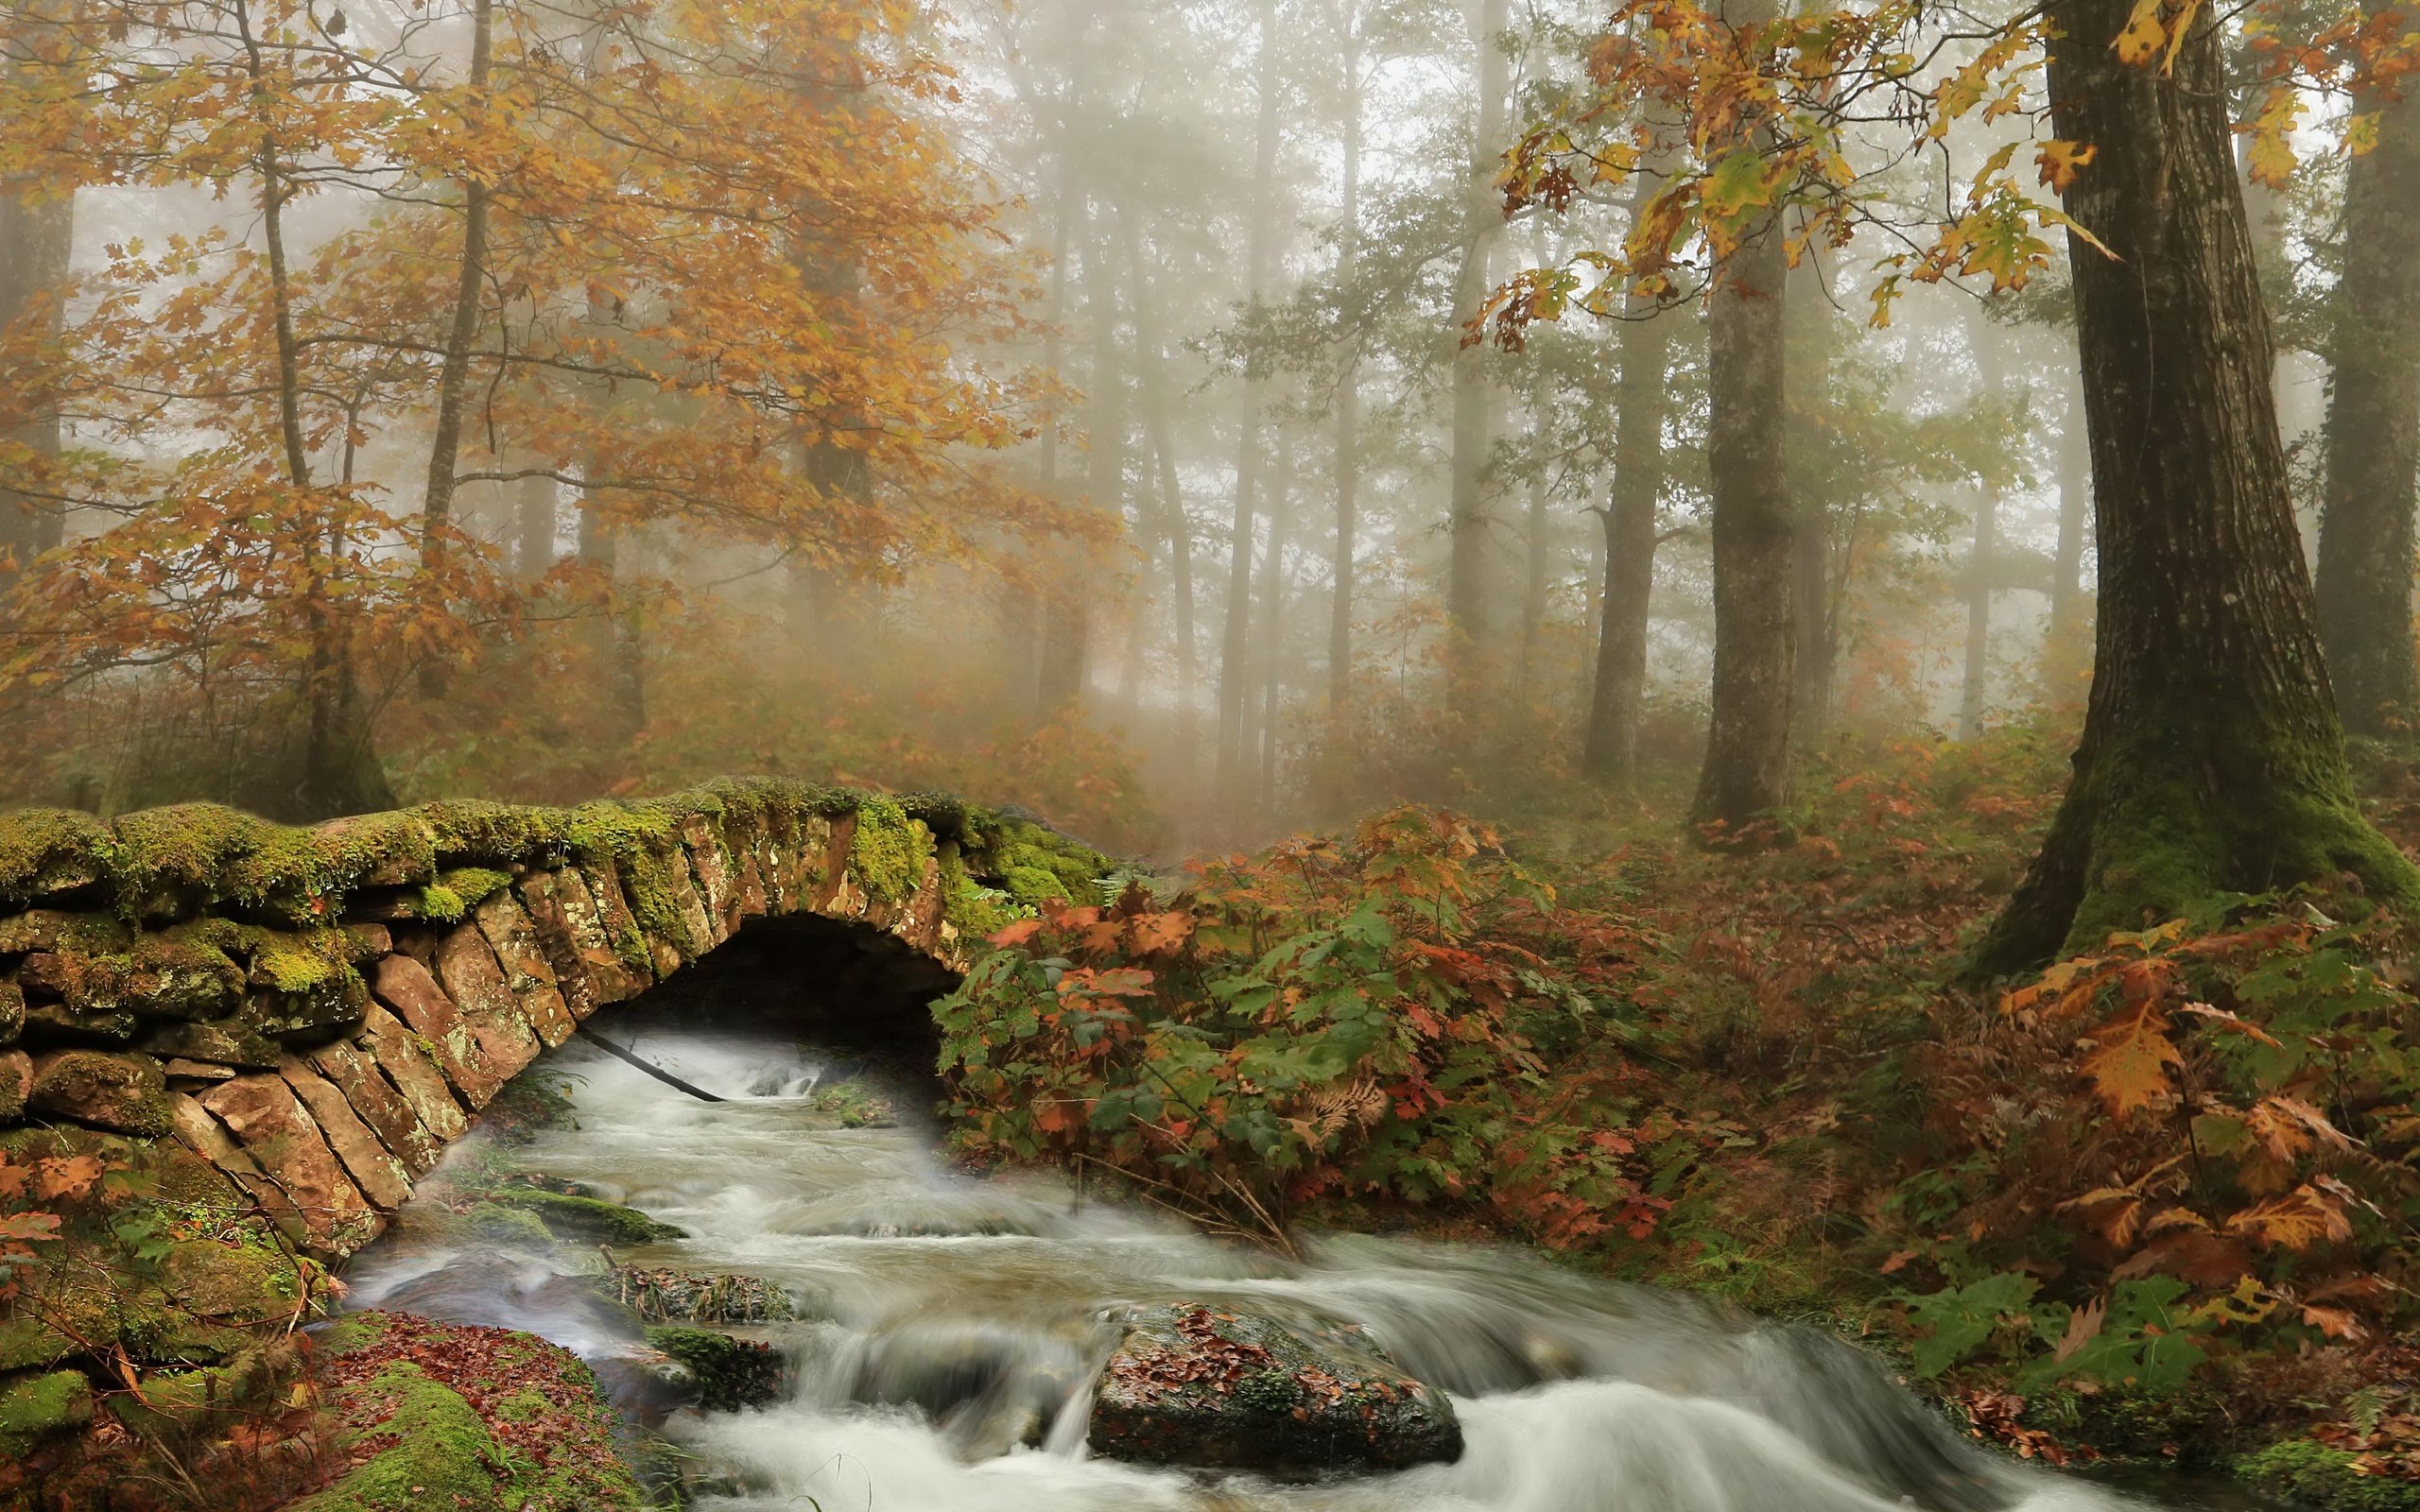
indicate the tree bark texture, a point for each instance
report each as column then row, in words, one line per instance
column 36, row 237
column 1348, row 390
column 1754, row 528
column 454, row 374
column 1813, row 612
column 1234, row 642
column 2371, row 439
column 2211, row 757
column 1644, row 350
column 1474, row 396
column 1150, row 362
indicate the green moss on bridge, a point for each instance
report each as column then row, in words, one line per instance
column 196, row 859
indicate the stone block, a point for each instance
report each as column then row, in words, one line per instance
column 630, row 945
column 717, row 884
column 127, row 1094
column 281, row 1136
column 527, row 975
column 417, row 1077
column 612, row 976
column 230, row 1042
column 354, row 1072
column 381, row 1177
column 12, row 1013
column 206, row 1136
column 406, row 990
column 541, row 894
column 469, row 973
column 17, row 1084
column 749, row 898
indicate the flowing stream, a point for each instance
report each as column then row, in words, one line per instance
column 953, row 1324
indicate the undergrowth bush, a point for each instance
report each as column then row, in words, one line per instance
column 1404, row 1017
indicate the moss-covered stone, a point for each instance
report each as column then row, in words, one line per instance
column 1193, row 1385
column 888, row 849
column 726, row 1373
column 163, row 1257
column 235, row 1041
column 156, row 977
column 33, row 1407
column 588, row 1219
column 50, row 851
column 436, row 1451
column 520, row 1426
column 503, row 1225
column 172, row 859
column 2311, row 1474
column 126, row 1093
column 975, row 911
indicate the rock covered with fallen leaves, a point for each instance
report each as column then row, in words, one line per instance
column 1206, row 1386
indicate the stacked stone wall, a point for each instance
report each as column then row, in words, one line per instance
column 317, row 1012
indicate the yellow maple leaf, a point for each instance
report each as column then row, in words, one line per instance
column 2142, row 35
column 2059, row 161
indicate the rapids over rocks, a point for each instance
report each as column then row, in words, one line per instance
column 950, row 1329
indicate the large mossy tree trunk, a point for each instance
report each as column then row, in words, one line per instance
column 2211, row 757
column 2372, row 437
column 1755, row 529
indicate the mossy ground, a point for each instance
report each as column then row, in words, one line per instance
column 440, row 1415
column 2310, row 1474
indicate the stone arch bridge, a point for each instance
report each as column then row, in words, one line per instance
column 314, row 1013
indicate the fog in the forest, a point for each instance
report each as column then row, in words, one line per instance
column 1067, row 403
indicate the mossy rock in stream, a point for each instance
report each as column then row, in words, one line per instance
column 1199, row 1386
column 591, row 1220
column 726, row 1373
column 498, row 1223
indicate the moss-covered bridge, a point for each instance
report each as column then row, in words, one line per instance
column 293, row 1023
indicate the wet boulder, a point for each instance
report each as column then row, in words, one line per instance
column 723, row 1374
column 1206, row 1386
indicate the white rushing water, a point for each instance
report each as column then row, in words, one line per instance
column 955, row 1321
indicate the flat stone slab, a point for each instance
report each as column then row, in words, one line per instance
column 1226, row 1390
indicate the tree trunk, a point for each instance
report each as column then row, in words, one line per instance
column 1641, row 396
column 1151, row 361
column 1272, row 618
column 2064, row 655
column 1746, row 775
column 533, row 528
column 35, row 236
column 1474, row 396
column 2372, row 437
column 454, row 374
column 1235, row 646
column 2211, row 757
column 1813, row 612
column 1066, row 649
column 340, row 772
column 1348, row 390
column 1975, row 684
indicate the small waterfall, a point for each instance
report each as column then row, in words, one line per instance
column 951, row 1328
